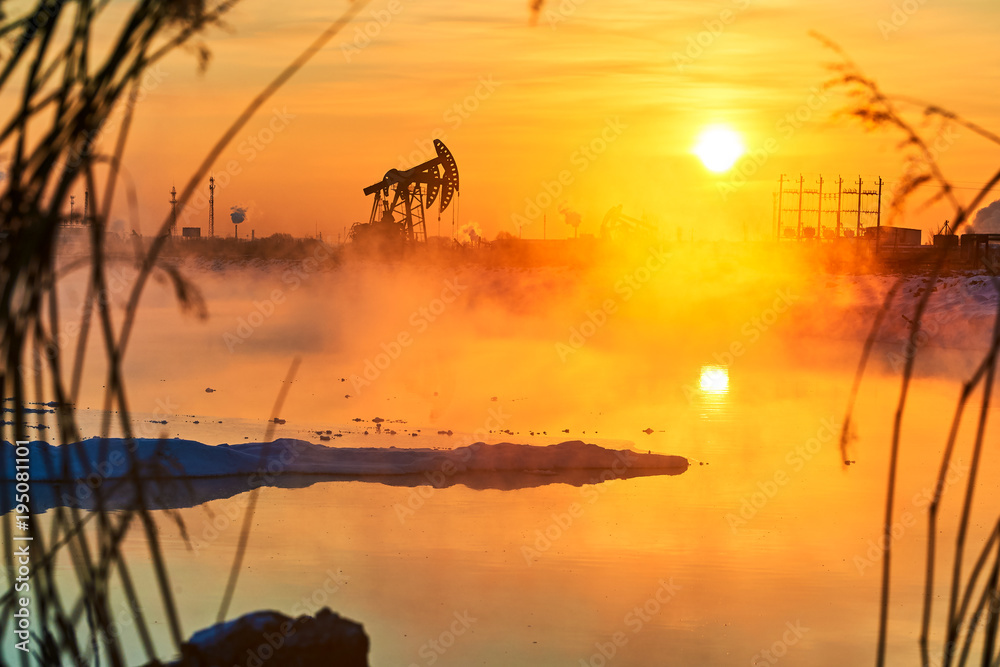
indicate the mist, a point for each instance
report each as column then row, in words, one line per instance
column 987, row 219
column 604, row 346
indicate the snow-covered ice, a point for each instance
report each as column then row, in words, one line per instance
column 182, row 473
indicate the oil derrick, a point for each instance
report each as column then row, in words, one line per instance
column 402, row 197
column 617, row 226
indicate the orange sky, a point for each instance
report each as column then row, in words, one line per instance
column 587, row 67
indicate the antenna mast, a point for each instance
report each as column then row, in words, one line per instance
column 211, row 205
column 173, row 211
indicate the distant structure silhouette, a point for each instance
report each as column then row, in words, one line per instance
column 211, row 206
column 398, row 211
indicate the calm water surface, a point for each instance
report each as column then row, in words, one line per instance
column 767, row 543
column 770, row 545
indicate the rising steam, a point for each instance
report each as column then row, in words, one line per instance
column 472, row 231
column 987, row 219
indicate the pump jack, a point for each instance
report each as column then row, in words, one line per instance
column 616, row 225
column 398, row 212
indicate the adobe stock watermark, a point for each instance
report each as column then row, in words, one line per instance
column 83, row 147
column 796, row 459
column 435, row 647
column 581, row 159
column 931, row 325
column 561, row 522
column 496, row 419
column 115, row 465
column 249, row 150
column 453, row 117
column 234, row 506
column 116, row 282
column 921, row 501
column 561, row 12
column 918, row 164
column 751, row 331
column 779, row 649
column 273, row 641
column 8, row 46
column 371, row 29
column 625, row 287
column 264, row 309
column 420, row 320
column 634, row 620
column 714, row 28
column 786, row 127
column 899, row 17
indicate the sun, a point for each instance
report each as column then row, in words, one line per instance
column 719, row 148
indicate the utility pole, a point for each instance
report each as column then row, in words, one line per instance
column 774, row 214
column 819, row 211
column 781, row 192
column 173, row 211
column 878, row 216
column 840, row 195
column 799, row 232
column 858, row 232
column 211, row 205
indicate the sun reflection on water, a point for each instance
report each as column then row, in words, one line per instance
column 714, row 380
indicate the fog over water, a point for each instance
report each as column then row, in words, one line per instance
column 737, row 357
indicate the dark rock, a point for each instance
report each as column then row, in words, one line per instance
column 273, row 639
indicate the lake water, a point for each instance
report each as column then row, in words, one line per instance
column 769, row 546
column 764, row 551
